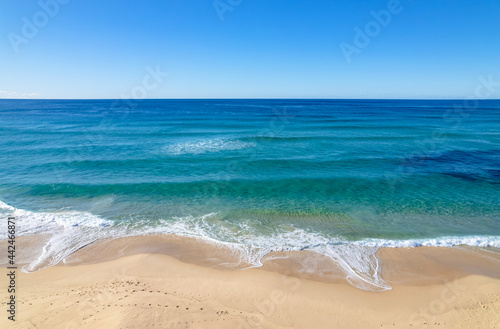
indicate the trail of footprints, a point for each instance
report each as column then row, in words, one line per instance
column 92, row 300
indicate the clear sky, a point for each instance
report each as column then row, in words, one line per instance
column 249, row 48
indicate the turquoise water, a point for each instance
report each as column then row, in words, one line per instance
column 340, row 177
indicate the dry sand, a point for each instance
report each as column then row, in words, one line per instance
column 133, row 283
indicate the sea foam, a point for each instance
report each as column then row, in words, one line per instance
column 71, row 230
column 207, row 146
column 66, row 231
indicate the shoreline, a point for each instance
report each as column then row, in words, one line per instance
column 422, row 264
column 143, row 281
column 412, row 265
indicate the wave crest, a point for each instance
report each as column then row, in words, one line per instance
column 207, row 146
column 252, row 241
column 67, row 232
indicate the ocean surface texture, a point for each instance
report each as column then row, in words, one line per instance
column 338, row 177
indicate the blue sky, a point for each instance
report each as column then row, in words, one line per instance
column 259, row 49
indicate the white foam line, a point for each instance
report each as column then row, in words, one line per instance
column 68, row 230
column 445, row 241
column 73, row 230
column 4, row 206
column 207, row 146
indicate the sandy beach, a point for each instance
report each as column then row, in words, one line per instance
column 233, row 164
column 151, row 282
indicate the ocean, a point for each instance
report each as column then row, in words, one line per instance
column 338, row 177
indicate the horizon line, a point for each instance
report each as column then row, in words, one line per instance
column 281, row 98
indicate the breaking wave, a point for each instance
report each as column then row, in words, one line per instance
column 69, row 231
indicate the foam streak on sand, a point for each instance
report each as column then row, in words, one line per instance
column 69, row 231
column 154, row 290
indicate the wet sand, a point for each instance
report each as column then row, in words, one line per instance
column 171, row 282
